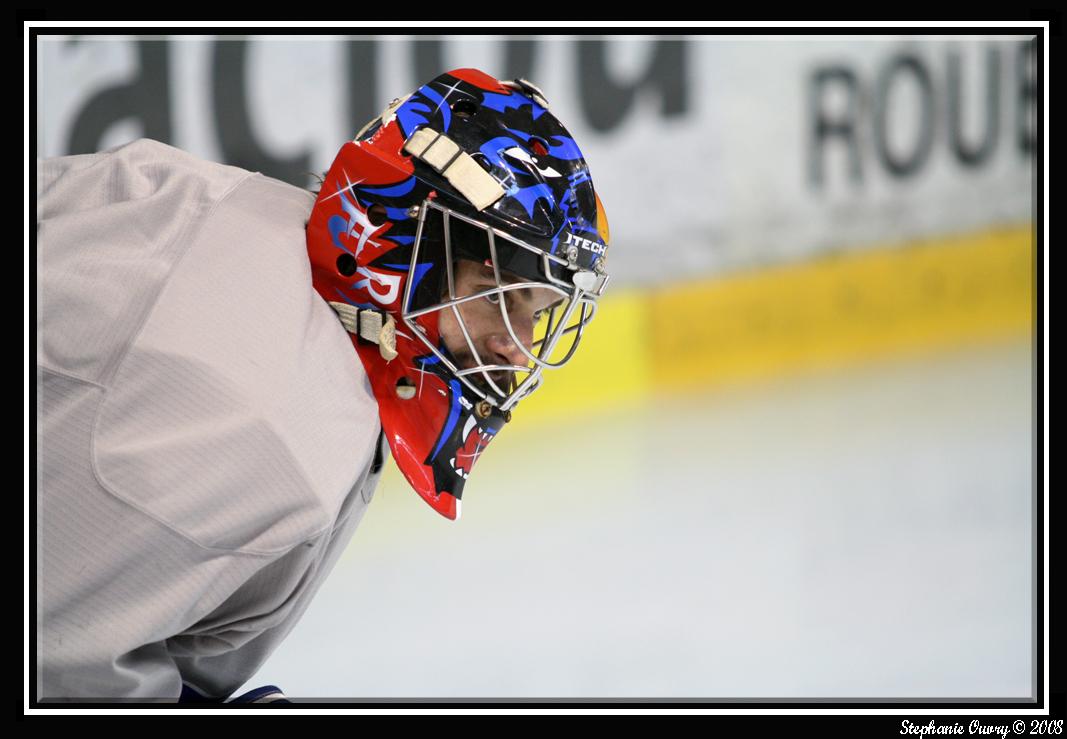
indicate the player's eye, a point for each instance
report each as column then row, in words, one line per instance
column 494, row 298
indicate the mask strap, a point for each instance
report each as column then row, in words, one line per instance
column 456, row 165
column 377, row 327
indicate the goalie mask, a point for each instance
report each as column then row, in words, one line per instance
column 462, row 245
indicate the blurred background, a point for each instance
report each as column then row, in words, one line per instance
column 795, row 455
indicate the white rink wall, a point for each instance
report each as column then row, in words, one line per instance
column 710, row 153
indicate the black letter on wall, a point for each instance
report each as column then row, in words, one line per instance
column 233, row 123
column 145, row 99
column 363, row 102
column 429, row 60
column 605, row 102
column 1026, row 111
column 908, row 164
column 968, row 154
column 518, row 60
column 823, row 127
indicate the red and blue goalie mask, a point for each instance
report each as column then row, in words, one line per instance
column 465, row 168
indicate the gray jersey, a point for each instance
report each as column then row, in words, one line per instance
column 205, row 430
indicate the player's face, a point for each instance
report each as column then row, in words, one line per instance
column 485, row 324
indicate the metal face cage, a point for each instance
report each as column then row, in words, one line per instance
column 557, row 330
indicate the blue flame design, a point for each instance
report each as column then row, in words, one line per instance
column 420, row 271
column 417, row 112
column 337, row 226
column 502, row 103
column 427, row 359
column 412, row 114
column 492, row 150
column 567, row 150
column 576, row 178
column 354, row 303
column 453, row 415
column 528, row 197
column 391, row 191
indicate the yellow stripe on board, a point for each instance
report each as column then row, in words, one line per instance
column 854, row 306
column 609, row 368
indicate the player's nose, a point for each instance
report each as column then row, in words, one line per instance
column 506, row 351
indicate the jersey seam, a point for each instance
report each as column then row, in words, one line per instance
column 116, row 366
column 69, row 376
column 187, row 234
column 107, row 488
column 113, row 491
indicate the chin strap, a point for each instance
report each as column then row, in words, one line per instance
column 375, row 326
